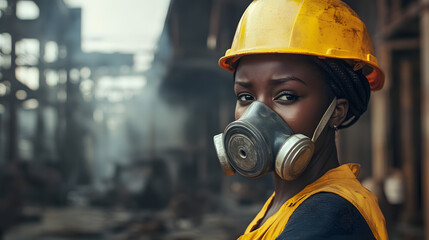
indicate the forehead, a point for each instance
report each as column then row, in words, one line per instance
column 269, row 66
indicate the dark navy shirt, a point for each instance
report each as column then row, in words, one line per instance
column 326, row 216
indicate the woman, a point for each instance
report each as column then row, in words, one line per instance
column 302, row 70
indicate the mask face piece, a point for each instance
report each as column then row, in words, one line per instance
column 249, row 142
column 260, row 142
column 260, row 138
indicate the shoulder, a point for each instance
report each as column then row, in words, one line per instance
column 326, row 216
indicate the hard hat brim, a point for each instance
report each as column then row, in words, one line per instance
column 373, row 73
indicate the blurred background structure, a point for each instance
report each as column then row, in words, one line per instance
column 108, row 109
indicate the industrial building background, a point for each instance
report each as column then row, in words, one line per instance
column 92, row 147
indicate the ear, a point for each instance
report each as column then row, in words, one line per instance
column 340, row 113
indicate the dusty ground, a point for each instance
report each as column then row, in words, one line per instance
column 85, row 223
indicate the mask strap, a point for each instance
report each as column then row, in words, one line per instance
column 325, row 119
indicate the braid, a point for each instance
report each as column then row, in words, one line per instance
column 348, row 84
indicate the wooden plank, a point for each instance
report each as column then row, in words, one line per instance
column 404, row 44
column 379, row 102
column 12, row 149
column 382, row 11
column 380, row 118
column 396, row 9
column 214, row 25
column 407, row 138
column 424, row 27
column 400, row 21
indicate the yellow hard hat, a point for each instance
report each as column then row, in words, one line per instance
column 323, row 28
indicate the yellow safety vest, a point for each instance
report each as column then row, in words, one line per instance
column 341, row 181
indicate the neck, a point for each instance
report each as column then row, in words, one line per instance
column 324, row 159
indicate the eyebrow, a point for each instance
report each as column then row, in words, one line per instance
column 273, row 81
column 243, row 84
column 287, row 79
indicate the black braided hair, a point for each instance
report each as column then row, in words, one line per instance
column 347, row 83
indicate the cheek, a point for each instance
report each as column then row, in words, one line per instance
column 302, row 118
column 239, row 111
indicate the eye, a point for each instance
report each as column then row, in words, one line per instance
column 244, row 97
column 286, row 97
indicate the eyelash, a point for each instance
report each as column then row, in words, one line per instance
column 290, row 97
column 240, row 95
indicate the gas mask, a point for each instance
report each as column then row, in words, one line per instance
column 260, row 141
